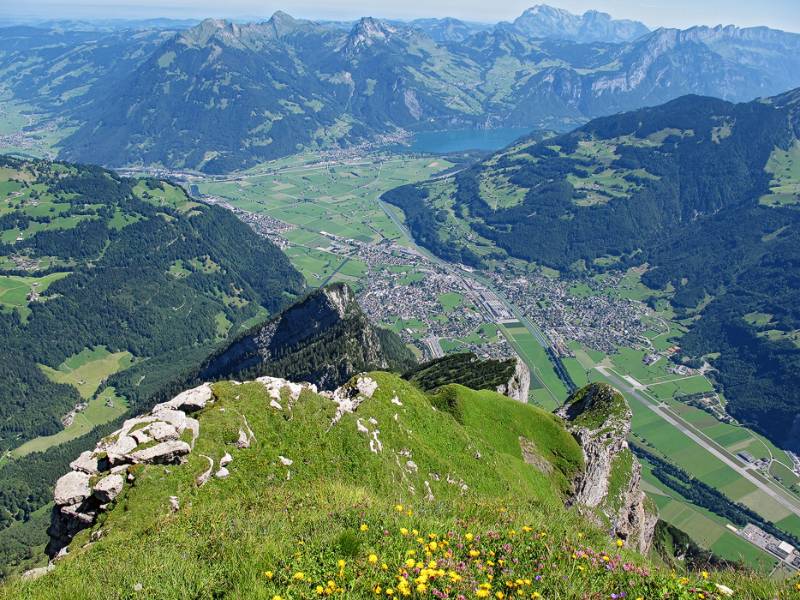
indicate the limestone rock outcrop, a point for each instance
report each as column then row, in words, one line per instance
column 98, row 476
column 519, row 384
column 609, row 486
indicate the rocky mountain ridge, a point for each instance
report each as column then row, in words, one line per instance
column 325, row 339
column 511, row 377
column 168, row 434
column 374, row 485
column 543, row 21
column 600, row 419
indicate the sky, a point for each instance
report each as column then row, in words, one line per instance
column 780, row 14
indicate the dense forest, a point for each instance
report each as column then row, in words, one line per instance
column 680, row 188
column 464, row 369
column 126, row 265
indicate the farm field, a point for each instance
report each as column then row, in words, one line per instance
column 86, row 372
column 14, row 290
column 88, row 369
column 546, row 387
column 103, row 408
column 706, row 528
column 320, row 198
column 661, row 437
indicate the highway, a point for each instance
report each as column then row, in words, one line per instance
column 699, row 438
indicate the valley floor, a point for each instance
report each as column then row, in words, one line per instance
column 326, row 213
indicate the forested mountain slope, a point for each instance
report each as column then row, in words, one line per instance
column 324, row 339
column 102, row 276
column 90, row 259
column 703, row 191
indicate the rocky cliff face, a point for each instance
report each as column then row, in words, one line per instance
column 609, row 486
column 542, row 21
column 325, row 339
column 519, row 384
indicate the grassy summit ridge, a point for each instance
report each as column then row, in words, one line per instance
column 445, row 508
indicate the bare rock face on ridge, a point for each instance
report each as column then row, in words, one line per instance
column 600, row 420
column 97, row 476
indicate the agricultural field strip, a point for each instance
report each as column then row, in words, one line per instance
column 777, row 494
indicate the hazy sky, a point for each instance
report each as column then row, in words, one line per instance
column 782, row 14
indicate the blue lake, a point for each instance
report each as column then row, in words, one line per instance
column 457, row 140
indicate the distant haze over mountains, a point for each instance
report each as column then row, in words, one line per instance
column 220, row 96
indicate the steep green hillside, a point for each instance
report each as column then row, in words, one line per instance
column 702, row 191
column 393, row 499
column 101, row 276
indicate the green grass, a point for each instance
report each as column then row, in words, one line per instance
column 86, row 370
column 677, row 387
column 706, row 529
column 171, row 196
column 576, row 370
column 14, row 290
column 260, row 533
column 784, row 166
column 451, row 301
column 103, row 408
column 338, row 199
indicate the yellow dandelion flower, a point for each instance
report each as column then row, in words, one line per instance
column 403, row 531
column 320, row 590
column 704, row 574
column 372, row 559
column 620, row 543
column 474, row 553
column 398, row 507
column 299, row 576
column 481, row 593
column 364, row 527
column 469, row 537
column 268, row 574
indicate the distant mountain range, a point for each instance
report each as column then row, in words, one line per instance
column 702, row 192
column 220, row 96
column 547, row 22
